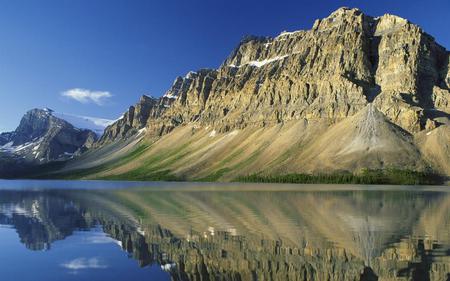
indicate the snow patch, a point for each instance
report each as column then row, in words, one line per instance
column 140, row 231
column 141, row 131
column 287, row 33
column 120, row 118
column 168, row 266
column 7, row 146
column 94, row 124
column 190, row 75
column 170, row 96
column 119, row 243
column 23, row 146
column 212, row 134
column 266, row 61
column 261, row 62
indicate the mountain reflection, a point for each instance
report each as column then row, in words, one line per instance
column 255, row 235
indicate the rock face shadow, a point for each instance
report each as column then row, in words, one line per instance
column 374, row 58
column 373, row 93
column 368, row 275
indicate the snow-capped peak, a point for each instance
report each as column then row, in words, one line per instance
column 190, row 75
column 94, row 124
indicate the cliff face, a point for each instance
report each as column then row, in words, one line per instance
column 293, row 103
column 331, row 71
column 133, row 120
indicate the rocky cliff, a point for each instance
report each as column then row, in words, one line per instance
column 352, row 92
column 134, row 119
column 42, row 137
column 331, row 71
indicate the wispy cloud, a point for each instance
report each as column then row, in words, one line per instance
column 99, row 239
column 84, row 263
column 87, row 96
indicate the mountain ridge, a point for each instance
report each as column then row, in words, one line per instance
column 290, row 98
column 43, row 136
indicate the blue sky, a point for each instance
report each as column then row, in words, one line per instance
column 121, row 49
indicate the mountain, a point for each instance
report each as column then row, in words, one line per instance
column 251, row 235
column 97, row 125
column 134, row 119
column 44, row 135
column 354, row 92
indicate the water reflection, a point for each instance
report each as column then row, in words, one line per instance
column 198, row 234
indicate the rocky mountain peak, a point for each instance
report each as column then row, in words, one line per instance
column 135, row 118
column 375, row 83
column 34, row 124
column 146, row 99
column 341, row 17
column 347, row 60
column 191, row 75
column 389, row 23
column 344, row 13
column 181, row 84
column 42, row 137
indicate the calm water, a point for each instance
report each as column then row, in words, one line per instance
column 56, row 230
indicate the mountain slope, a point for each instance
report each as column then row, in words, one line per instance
column 42, row 137
column 353, row 92
column 134, row 119
column 367, row 139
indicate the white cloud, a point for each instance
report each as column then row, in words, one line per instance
column 87, row 96
column 99, row 239
column 84, row 263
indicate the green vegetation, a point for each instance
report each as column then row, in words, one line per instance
column 156, row 168
column 76, row 174
column 153, row 168
column 133, row 155
column 366, row 176
column 141, row 174
column 215, row 176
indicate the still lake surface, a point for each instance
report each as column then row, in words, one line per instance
column 94, row 230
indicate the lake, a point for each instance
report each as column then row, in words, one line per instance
column 95, row 230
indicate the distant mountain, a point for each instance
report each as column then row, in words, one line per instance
column 44, row 135
column 355, row 92
column 97, row 125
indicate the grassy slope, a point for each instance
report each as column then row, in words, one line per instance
column 158, row 167
column 294, row 152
